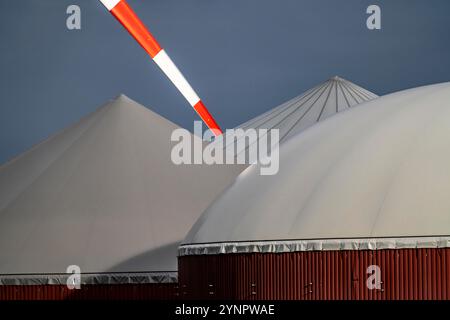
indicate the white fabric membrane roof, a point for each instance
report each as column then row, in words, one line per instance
column 318, row 103
column 375, row 176
column 103, row 195
column 295, row 115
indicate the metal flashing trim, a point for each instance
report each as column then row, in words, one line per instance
column 284, row 246
column 89, row 278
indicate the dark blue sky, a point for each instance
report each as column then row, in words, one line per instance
column 243, row 57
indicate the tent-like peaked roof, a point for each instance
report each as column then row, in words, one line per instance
column 324, row 100
column 103, row 195
column 296, row 115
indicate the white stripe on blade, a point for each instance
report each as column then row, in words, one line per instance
column 109, row 4
column 172, row 72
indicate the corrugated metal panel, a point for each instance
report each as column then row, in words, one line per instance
column 166, row 291
column 312, row 275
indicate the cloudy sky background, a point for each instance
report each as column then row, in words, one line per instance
column 243, row 57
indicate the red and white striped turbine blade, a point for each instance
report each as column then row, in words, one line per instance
column 126, row 16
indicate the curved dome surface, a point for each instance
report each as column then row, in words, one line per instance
column 377, row 171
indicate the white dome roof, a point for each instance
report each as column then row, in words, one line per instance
column 379, row 170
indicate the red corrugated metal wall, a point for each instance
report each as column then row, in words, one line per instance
column 91, row 292
column 312, row 275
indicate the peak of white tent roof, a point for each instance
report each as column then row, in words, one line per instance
column 124, row 98
column 129, row 105
column 377, row 171
column 123, row 95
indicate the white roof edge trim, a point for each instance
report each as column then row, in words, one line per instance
column 284, row 246
column 90, row 278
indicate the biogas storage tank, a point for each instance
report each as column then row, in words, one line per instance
column 360, row 209
column 102, row 199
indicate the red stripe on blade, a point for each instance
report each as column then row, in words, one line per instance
column 126, row 16
column 207, row 118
